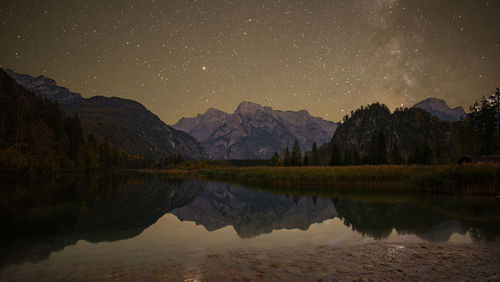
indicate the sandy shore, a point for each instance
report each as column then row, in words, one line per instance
column 378, row 261
column 372, row 261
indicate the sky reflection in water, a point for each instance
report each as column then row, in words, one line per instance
column 156, row 220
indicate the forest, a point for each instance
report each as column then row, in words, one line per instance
column 373, row 135
column 37, row 138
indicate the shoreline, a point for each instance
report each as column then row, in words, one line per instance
column 369, row 261
column 481, row 179
column 379, row 261
column 372, row 261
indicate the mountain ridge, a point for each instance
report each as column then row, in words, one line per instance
column 440, row 108
column 254, row 131
column 45, row 87
column 123, row 122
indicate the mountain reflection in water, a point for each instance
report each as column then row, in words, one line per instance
column 107, row 210
column 252, row 213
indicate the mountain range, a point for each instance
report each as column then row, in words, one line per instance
column 45, row 87
column 255, row 132
column 251, row 132
column 122, row 122
column 440, row 109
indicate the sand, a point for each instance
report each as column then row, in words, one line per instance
column 373, row 261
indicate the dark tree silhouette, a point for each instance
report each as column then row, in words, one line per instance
column 306, row 162
column 275, row 160
column 395, row 155
column 479, row 131
column 315, row 156
column 351, row 157
column 296, row 154
column 336, row 158
column 286, row 157
column 421, row 154
column 377, row 153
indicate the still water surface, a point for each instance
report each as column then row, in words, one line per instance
column 132, row 222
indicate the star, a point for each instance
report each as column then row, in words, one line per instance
column 393, row 52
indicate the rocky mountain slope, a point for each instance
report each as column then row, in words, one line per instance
column 31, row 135
column 125, row 123
column 131, row 126
column 440, row 109
column 45, row 87
column 203, row 125
column 255, row 132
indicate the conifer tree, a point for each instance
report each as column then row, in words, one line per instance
column 286, row 157
column 377, row 153
column 336, row 158
column 75, row 135
column 315, row 155
column 296, row 154
column 351, row 157
column 275, row 160
column 306, row 162
column 395, row 155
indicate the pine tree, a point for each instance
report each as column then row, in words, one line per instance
column 483, row 124
column 275, row 160
column 73, row 129
column 336, row 158
column 377, row 153
column 356, row 157
column 315, row 155
column 296, row 154
column 306, row 160
column 496, row 106
column 286, row 157
column 421, row 154
column 487, row 116
column 351, row 157
column 395, row 155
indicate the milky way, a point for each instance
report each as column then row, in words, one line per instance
column 180, row 58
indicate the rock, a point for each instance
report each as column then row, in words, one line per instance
column 440, row 109
column 255, row 132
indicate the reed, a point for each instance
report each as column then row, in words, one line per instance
column 470, row 179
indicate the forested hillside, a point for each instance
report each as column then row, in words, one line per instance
column 36, row 137
column 125, row 123
column 374, row 135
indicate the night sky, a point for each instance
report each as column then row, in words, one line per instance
column 180, row 58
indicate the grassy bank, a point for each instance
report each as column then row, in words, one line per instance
column 470, row 179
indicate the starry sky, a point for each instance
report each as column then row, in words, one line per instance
column 180, row 58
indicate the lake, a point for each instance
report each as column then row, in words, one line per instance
column 81, row 228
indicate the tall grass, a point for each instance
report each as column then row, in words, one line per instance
column 470, row 179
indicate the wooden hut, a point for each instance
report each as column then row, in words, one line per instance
column 495, row 159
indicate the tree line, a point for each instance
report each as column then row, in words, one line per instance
column 372, row 135
column 479, row 132
column 37, row 138
column 296, row 158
